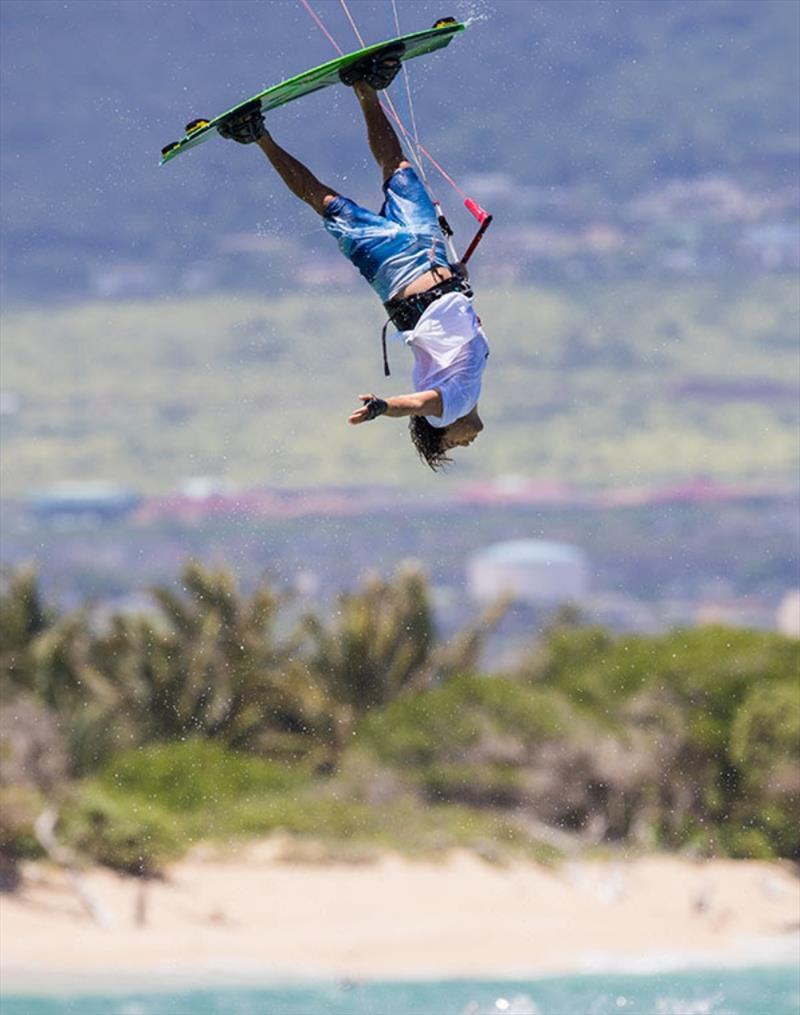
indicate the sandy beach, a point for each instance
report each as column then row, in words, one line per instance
column 254, row 915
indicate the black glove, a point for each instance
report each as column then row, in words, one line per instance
column 376, row 407
column 244, row 126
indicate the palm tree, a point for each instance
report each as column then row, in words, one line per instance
column 380, row 644
column 23, row 617
column 379, row 637
column 210, row 664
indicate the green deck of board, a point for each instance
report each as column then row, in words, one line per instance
column 417, row 43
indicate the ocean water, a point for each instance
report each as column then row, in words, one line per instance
column 760, row 991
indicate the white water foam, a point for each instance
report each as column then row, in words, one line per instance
column 519, row 1004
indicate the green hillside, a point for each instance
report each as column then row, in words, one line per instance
column 596, row 384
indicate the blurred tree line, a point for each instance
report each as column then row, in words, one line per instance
column 219, row 714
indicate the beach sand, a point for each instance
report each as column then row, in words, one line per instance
column 254, row 915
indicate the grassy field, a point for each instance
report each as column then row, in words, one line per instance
column 598, row 384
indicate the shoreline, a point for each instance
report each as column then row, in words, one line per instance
column 254, row 919
column 49, row 981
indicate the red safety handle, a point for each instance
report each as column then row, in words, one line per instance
column 485, row 220
column 475, row 209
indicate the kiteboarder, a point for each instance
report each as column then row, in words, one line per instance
column 401, row 253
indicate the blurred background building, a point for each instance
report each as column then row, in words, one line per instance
column 535, row 572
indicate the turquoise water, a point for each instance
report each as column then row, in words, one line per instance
column 764, row 991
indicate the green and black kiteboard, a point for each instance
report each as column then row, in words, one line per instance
column 416, row 44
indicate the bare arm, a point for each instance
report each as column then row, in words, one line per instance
column 297, row 177
column 420, row 403
column 383, row 141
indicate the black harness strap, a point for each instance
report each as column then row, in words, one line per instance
column 386, row 371
column 405, row 313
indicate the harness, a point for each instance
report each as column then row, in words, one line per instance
column 405, row 313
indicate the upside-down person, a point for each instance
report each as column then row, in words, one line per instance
column 401, row 253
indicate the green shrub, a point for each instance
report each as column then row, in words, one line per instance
column 765, row 747
column 709, row 668
column 765, row 736
column 446, row 722
column 495, row 785
column 683, row 696
column 747, row 843
column 125, row 833
column 313, row 815
column 148, row 805
column 470, row 740
column 196, row 774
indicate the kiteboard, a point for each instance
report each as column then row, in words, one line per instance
column 415, row 44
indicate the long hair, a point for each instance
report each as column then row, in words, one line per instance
column 428, row 442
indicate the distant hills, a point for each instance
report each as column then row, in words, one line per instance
column 593, row 385
column 602, row 97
